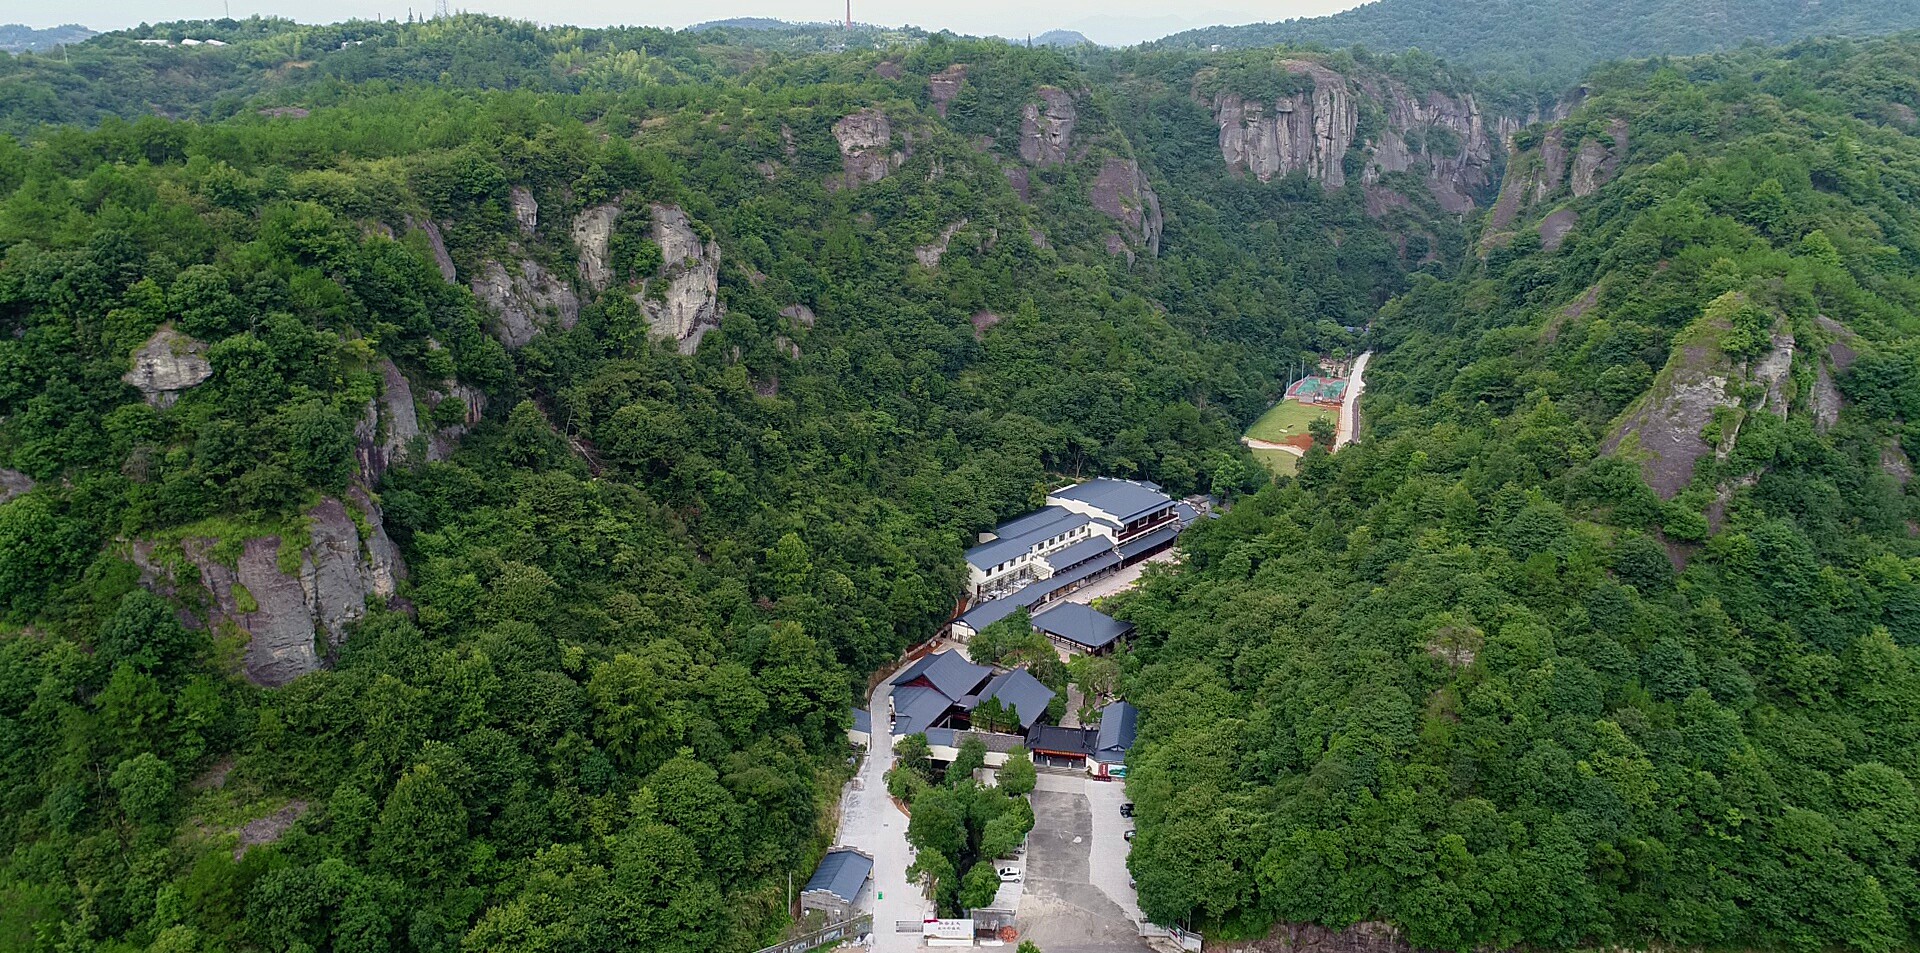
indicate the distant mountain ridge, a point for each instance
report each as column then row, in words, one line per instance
column 20, row 38
column 1553, row 40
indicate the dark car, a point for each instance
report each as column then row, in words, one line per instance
column 1129, row 834
column 1126, row 810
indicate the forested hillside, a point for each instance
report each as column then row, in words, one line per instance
column 456, row 484
column 1548, row 44
column 1605, row 633
column 456, row 476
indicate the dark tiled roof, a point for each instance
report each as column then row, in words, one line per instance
column 1020, row 535
column 1023, row 693
column 842, row 873
column 1119, row 723
column 1078, row 553
column 994, row 742
column 1080, row 625
column 1065, row 740
column 862, row 720
column 987, row 613
column 1126, row 500
column 916, row 709
column 1149, row 542
column 948, row 672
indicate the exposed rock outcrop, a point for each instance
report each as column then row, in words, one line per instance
column 801, row 315
column 1664, row 428
column 1122, row 194
column 1539, row 175
column 443, row 440
column 526, row 211
column 1556, row 226
column 169, row 363
column 1598, row 162
column 292, row 620
column 982, row 322
column 1305, row 132
column 526, row 302
column 437, row 245
column 1022, row 184
column 1443, row 138
column 944, row 86
column 1894, row 463
column 866, row 149
column 592, row 230
column 930, row 254
column 268, row 830
column 387, row 430
column 14, row 483
column 682, row 300
column 1046, row 127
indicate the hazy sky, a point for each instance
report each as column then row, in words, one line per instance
column 1107, row 21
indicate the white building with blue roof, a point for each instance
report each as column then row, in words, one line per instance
column 1086, row 530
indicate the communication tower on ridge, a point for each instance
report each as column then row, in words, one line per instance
column 849, row 24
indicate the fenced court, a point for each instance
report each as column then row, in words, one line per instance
column 1318, row 390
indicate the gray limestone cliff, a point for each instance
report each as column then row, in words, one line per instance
column 387, row 429
column 1445, row 139
column 1046, row 127
column 14, row 483
column 592, row 230
column 866, row 149
column 293, row 621
column 681, row 300
column 526, row 211
column 524, row 300
column 169, row 363
column 1122, row 194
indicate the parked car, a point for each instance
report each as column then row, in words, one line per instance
column 1126, row 809
column 1129, row 834
column 1009, row 875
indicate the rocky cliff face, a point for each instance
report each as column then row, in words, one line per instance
column 866, row 149
column 525, row 300
column 592, row 230
column 1304, row 132
column 682, row 301
column 292, row 621
column 944, row 86
column 387, row 429
column 14, row 483
column 1046, row 127
column 1122, row 193
column 526, row 211
column 1551, row 171
column 1663, row 430
column 168, row 364
column 437, row 245
column 1444, row 139
column 929, row 255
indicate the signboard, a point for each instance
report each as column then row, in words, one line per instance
column 947, row 929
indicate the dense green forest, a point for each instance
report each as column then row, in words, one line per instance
column 455, row 477
column 634, row 584
column 1606, row 631
column 1548, row 44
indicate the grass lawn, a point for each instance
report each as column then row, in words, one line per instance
column 1279, row 462
column 1288, row 418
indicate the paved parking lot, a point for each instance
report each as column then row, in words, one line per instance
column 1077, row 899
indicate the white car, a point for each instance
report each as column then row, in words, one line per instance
column 1009, row 875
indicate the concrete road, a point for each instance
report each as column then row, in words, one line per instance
column 1077, row 899
column 870, row 821
column 1349, row 425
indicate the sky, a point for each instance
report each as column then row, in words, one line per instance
column 1104, row 21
